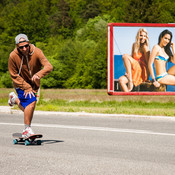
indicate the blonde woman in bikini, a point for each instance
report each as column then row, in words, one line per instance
column 136, row 64
column 160, row 55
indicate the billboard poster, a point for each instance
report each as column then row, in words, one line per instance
column 138, row 62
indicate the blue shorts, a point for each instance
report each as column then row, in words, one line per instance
column 25, row 101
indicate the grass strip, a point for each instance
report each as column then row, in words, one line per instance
column 97, row 101
column 110, row 107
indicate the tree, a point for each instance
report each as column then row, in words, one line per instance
column 161, row 12
column 149, row 11
column 91, row 10
column 26, row 22
column 136, row 10
column 73, row 34
column 91, row 69
column 60, row 20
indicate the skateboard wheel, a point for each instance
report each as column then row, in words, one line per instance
column 38, row 142
column 15, row 141
column 27, row 142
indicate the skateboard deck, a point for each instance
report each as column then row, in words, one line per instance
column 27, row 141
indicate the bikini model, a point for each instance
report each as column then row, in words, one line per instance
column 161, row 58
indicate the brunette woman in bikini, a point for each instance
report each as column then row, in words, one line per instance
column 160, row 55
column 136, row 64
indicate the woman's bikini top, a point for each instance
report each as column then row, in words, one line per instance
column 158, row 57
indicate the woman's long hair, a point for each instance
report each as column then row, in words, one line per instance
column 137, row 42
column 167, row 47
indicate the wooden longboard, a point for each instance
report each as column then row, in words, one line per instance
column 27, row 141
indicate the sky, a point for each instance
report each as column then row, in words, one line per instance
column 124, row 37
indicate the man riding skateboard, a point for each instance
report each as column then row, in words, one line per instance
column 27, row 65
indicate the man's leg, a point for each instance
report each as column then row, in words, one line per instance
column 28, row 113
column 17, row 101
column 13, row 99
column 27, row 105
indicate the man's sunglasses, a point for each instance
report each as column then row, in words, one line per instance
column 21, row 47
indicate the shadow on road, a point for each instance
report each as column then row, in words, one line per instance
column 51, row 141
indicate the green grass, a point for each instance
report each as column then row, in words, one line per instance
column 110, row 107
column 97, row 101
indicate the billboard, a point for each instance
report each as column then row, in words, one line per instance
column 121, row 37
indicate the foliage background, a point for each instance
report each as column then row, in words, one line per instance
column 73, row 34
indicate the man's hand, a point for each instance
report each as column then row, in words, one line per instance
column 36, row 79
column 30, row 93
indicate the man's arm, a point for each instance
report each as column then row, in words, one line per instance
column 47, row 67
column 17, row 79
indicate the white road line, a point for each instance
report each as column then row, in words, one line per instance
column 90, row 128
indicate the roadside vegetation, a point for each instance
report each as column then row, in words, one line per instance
column 97, row 101
column 73, row 35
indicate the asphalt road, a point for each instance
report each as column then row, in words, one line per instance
column 82, row 144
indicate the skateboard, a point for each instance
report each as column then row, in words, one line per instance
column 27, row 141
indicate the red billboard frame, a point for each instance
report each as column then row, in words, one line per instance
column 110, row 57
